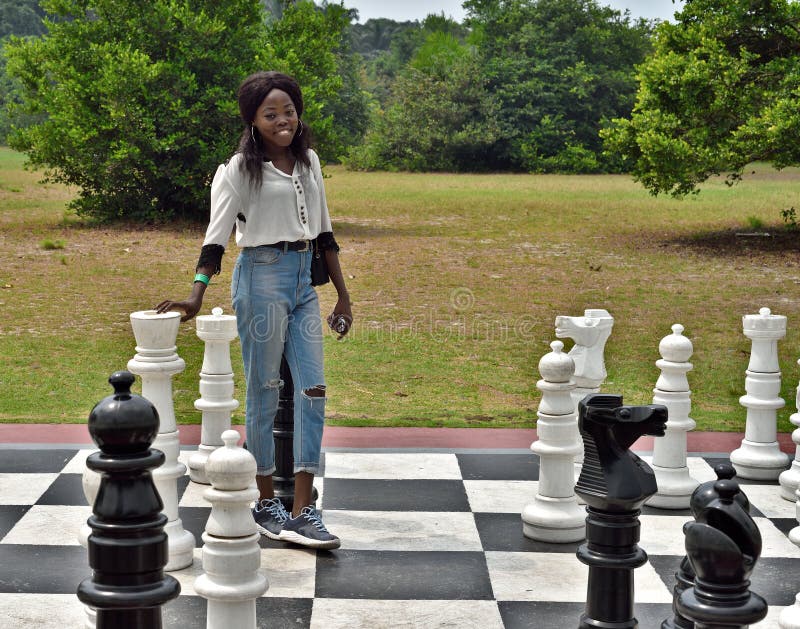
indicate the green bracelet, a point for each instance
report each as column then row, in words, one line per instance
column 202, row 278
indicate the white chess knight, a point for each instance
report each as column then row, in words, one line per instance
column 156, row 362
column 555, row 515
column 760, row 457
column 590, row 333
column 675, row 484
column 216, row 401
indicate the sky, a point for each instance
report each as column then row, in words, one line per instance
column 417, row 9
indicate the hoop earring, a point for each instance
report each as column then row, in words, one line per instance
column 253, row 134
column 300, row 124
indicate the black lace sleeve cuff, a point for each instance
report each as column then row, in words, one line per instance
column 326, row 241
column 211, row 256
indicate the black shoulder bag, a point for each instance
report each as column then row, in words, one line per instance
column 319, row 266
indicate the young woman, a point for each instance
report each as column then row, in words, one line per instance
column 272, row 192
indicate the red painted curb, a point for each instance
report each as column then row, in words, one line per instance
column 366, row 437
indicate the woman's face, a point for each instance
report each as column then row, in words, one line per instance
column 276, row 119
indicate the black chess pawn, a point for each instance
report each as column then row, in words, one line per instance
column 614, row 483
column 723, row 545
column 128, row 546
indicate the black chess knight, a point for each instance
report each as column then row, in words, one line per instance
column 614, row 483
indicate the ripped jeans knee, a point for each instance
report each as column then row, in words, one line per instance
column 316, row 392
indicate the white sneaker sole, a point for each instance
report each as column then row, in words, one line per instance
column 266, row 533
column 320, row 544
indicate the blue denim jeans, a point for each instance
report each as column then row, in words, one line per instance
column 277, row 313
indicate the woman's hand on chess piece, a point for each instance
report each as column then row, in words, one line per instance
column 191, row 306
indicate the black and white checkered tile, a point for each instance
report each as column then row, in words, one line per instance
column 429, row 539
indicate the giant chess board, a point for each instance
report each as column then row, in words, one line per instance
column 429, row 539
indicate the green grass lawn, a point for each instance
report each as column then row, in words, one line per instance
column 456, row 282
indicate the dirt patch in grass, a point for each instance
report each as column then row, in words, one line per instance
column 739, row 242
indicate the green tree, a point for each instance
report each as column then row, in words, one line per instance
column 387, row 47
column 439, row 117
column 558, row 69
column 21, row 18
column 138, row 99
column 721, row 90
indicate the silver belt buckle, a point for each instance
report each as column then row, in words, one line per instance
column 307, row 247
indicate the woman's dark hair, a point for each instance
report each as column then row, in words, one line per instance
column 252, row 92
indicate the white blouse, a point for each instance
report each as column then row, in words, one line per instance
column 285, row 207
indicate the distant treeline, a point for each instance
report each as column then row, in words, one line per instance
column 520, row 85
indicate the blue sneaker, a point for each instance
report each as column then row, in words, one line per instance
column 270, row 515
column 308, row 530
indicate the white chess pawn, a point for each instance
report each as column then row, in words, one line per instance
column 555, row 515
column 231, row 581
column 790, row 479
column 675, row 484
column 156, row 362
column 216, row 387
column 790, row 616
column 760, row 457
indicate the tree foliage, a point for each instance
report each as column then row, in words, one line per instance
column 558, row 69
column 137, row 114
column 721, row 90
column 439, row 117
column 387, row 47
column 20, row 17
column 134, row 101
column 523, row 85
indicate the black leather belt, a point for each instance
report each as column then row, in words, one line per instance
column 297, row 245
